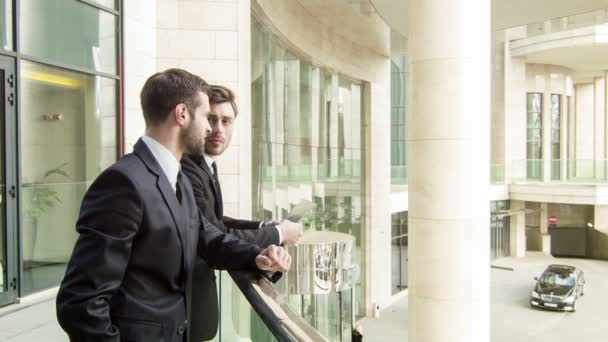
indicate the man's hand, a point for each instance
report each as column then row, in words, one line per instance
column 291, row 232
column 274, row 259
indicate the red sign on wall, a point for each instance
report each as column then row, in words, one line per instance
column 552, row 220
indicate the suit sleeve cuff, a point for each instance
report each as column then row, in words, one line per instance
column 280, row 235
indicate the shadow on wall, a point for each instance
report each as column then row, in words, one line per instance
column 533, row 239
column 579, row 242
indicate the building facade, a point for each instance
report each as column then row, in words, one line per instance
column 438, row 143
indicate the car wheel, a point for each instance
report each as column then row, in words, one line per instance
column 574, row 307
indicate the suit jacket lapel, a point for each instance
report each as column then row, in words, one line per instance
column 219, row 210
column 168, row 194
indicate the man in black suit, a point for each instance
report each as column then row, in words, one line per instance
column 201, row 169
column 140, row 230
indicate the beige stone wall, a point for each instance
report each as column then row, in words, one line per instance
column 208, row 38
column 139, row 63
column 211, row 39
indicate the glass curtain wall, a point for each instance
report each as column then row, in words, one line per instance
column 3, row 234
column 307, row 145
column 399, row 248
column 398, row 120
column 6, row 25
column 68, row 83
column 500, row 230
column 534, row 136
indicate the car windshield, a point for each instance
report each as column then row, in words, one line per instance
column 561, row 279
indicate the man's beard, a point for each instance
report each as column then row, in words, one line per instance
column 193, row 141
column 210, row 150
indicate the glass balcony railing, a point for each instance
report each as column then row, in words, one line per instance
column 598, row 17
column 331, row 169
column 312, row 302
column 497, row 173
column 557, row 170
column 399, row 175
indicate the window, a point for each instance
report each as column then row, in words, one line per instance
column 534, row 136
column 6, row 24
column 556, row 101
column 68, row 134
column 69, row 32
column 399, row 252
column 398, row 121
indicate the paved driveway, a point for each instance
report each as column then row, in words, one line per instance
column 513, row 320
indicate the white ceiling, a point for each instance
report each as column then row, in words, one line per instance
column 356, row 20
column 505, row 13
column 586, row 61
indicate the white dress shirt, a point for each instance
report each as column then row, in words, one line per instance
column 168, row 163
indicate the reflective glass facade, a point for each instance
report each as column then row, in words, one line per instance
column 307, row 145
column 62, row 130
column 398, row 120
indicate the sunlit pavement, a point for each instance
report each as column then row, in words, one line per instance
column 512, row 318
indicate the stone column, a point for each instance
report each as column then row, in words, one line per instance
column 600, row 218
column 448, row 185
column 599, row 127
column 518, row 230
column 545, row 238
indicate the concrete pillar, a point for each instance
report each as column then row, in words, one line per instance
column 572, row 135
column 448, row 185
column 518, row 230
column 600, row 218
column 545, row 242
column 515, row 117
column 378, row 190
column 563, row 152
column 605, row 157
column 599, row 130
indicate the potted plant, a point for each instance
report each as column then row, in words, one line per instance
column 39, row 198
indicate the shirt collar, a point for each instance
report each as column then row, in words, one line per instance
column 209, row 161
column 168, row 163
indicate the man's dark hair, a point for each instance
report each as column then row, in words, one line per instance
column 220, row 94
column 163, row 91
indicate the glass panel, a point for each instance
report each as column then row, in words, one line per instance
column 113, row 4
column 398, row 120
column 399, row 246
column 555, row 111
column 238, row 321
column 534, row 135
column 6, row 24
column 534, row 102
column 87, row 40
column 68, row 135
column 3, row 249
column 308, row 138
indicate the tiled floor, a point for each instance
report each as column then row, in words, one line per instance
column 32, row 324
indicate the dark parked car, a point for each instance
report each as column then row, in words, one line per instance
column 558, row 288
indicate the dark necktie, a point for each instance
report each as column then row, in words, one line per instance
column 219, row 200
column 178, row 188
